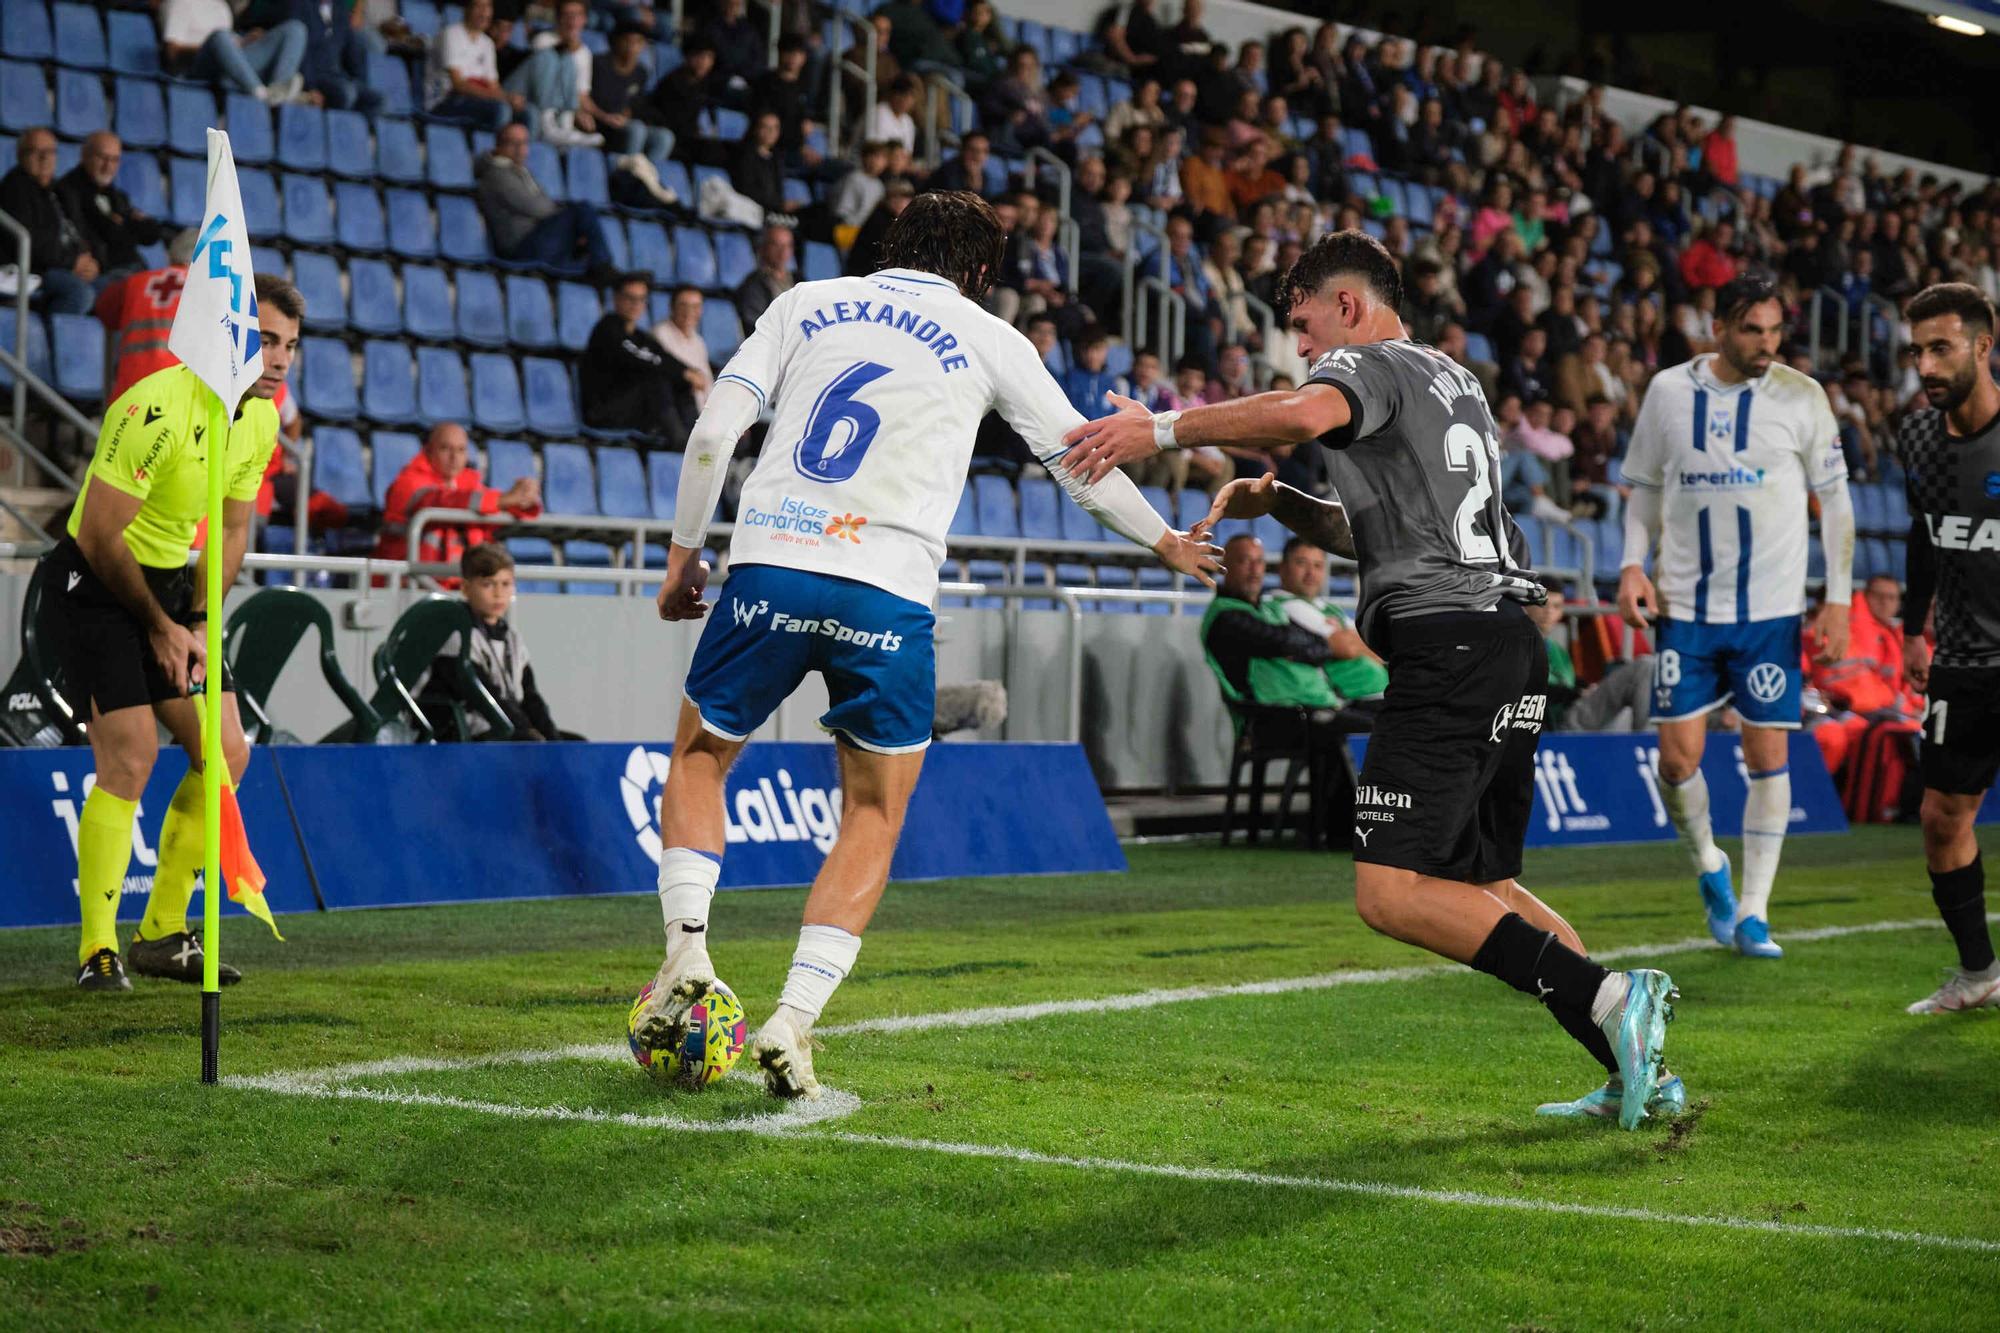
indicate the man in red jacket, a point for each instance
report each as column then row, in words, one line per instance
column 438, row 478
column 1708, row 263
column 138, row 311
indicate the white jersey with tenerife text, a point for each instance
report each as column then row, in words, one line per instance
column 1734, row 463
column 879, row 384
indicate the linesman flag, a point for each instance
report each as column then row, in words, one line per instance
column 216, row 335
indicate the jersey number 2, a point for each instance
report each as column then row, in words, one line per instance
column 841, row 426
column 1465, row 449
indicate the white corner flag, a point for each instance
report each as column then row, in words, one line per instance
column 216, row 335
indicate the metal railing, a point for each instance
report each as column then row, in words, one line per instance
column 22, row 259
column 1173, row 318
column 1129, row 279
column 941, row 94
column 838, row 64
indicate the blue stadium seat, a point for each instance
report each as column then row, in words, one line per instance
column 728, row 124
column 78, row 345
column 338, row 469
column 1868, row 508
column 734, row 259
column 621, row 483
column 350, row 150
column 545, row 165
column 496, row 393
column 568, row 483
column 1041, row 509
column 1193, row 508
column 442, row 394
column 24, row 94
column 317, row 276
column 508, row 461
column 531, row 320
column 190, row 111
column 674, row 175
column 550, row 398
column 797, row 192
column 695, row 258
column 1478, row 347
column 390, row 77
column 1896, row 509
column 1156, row 579
column 663, row 482
column 391, row 452
column 965, row 519
column 585, row 177
column 822, row 261
column 399, row 157
column 139, row 177
column 447, row 157
column 533, row 551
column 461, row 231
column 308, row 211
column 25, row 32
column 422, row 18
column 132, row 43
column 1162, row 503
column 326, row 382
column 720, row 330
column 993, row 499
column 614, row 240
column 80, row 107
column 427, row 303
column 388, row 383
column 413, row 231
column 482, row 315
column 577, row 313
column 38, row 349
column 650, row 252
column 584, row 554
column 267, row 259
column 358, row 224
column 140, row 114
column 251, row 138
column 301, row 137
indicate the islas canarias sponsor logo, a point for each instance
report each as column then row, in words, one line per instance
column 772, row 808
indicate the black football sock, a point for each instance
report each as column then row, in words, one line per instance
column 1588, row 1035
column 1535, row 962
column 1960, row 896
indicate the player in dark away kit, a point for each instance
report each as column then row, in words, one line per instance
column 1951, row 455
column 1445, row 794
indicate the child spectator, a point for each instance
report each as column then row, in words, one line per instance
column 495, row 652
column 1088, row 381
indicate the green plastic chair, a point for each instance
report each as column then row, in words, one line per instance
column 412, row 649
column 50, row 719
column 260, row 638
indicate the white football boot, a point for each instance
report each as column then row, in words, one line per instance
column 1962, row 990
column 685, row 978
column 782, row 1048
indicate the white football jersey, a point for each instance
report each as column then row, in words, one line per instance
column 1735, row 462
column 879, row 385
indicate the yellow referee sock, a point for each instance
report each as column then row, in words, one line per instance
column 103, row 851
column 181, row 854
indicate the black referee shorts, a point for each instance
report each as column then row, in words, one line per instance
column 102, row 648
column 1449, row 781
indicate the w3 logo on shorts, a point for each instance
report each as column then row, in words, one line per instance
column 747, row 613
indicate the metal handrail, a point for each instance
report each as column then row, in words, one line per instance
column 836, row 95
column 19, row 442
column 302, row 494
column 1814, row 308
column 1173, row 318
column 1129, row 278
column 1061, row 171
column 22, row 259
column 941, row 87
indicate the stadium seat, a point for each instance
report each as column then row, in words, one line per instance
column 447, row 157
column 25, row 31
column 358, row 224
column 267, row 259
column 1193, row 508
column 482, row 316
column 695, row 259
column 674, row 176
column 263, row 218
column 1041, row 506
column 139, row 177
column 584, row 554
column 1156, row 579
column 569, row 485
column 621, row 483
column 1162, row 503
column 461, row 231
column 317, row 276
column 614, row 240
column 734, row 259
column 350, row 150
column 187, row 189
column 337, row 467
column 388, row 383
column 496, row 393
column 398, row 155
column 965, row 519
column 577, row 315
column 80, row 107
column 326, row 380
column 132, row 44
column 308, row 211
column 24, row 95
column 251, row 137
column 585, row 177
column 545, row 165
column 391, row 451
column 993, row 499
column 728, row 124
column 508, row 461
column 422, row 18
column 37, row 355
column 822, row 261
column 442, row 395
column 389, row 76
column 301, row 137
column 721, row 330
column 78, row 347
column 1478, row 347
column 412, row 231
column 139, row 115
column 551, row 401
column 663, row 481
column 531, row 320
column 650, row 252
column 190, row 111
column 426, row 304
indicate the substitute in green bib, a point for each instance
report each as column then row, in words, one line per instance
column 123, row 612
column 1256, row 653
column 1355, row 673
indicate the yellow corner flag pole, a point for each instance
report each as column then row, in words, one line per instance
column 215, row 335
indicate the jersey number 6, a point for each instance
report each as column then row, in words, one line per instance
column 841, row 426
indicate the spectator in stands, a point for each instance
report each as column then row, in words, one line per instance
column 1100, row 271
column 895, row 119
column 1067, row 118
column 1255, row 650
column 865, row 255
column 438, row 477
column 1709, row 263
column 618, row 85
column 138, row 314
column 771, row 278
column 967, row 171
column 1015, row 109
column 1354, row 671
column 1548, row 618
column 1205, row 183
column 495, row 651
column 757, row 168
column 335, row 64
column 1426, row 308
column 739, row 44
column 1088, row 384
column 1250, row 178
column 1187, row 276
column 112, row 228
column 58, row 251
column 524, row 223
column 680, row 334
column 916, row 40
column 1041, row 273
column 693, row 88
column 1599, row 442
column 1142, row 108
column 861, row 189
column 786, row 89
column 555, row 81
column 1525, row 375
column 1718, row 155
column 464, row 81
column 198, row 41
column 1132, row 36
column 629, row 381
column 981, row 48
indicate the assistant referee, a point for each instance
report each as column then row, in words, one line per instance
column 123, row 611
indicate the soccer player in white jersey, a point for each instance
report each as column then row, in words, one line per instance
column 1726, row 452
column 878, row 384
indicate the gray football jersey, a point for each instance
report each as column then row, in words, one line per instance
column 1418, row 468
column 1954, row 491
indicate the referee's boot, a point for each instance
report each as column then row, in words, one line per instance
column 1718, row 899
column 176, row 957
column 102, row 971
column 685, row 978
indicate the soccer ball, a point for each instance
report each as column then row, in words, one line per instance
column 716, row 1032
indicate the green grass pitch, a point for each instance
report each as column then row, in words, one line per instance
column 1347, row 1152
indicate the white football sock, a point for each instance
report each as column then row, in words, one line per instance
column 1767, row 813
column 824, row 958
column 1611, row 993
column 687, row 884
column 1687, row 803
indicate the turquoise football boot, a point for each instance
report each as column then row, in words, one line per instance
column 1669, row 1100
column 1753, row 939
column 1718, row 896
column 1638, row 1035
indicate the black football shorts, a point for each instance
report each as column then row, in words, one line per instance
column 1961, row 746
column 101, row 647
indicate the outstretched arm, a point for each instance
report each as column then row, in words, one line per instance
column 1321, row 522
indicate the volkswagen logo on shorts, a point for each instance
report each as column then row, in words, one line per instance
column 1767, row 682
